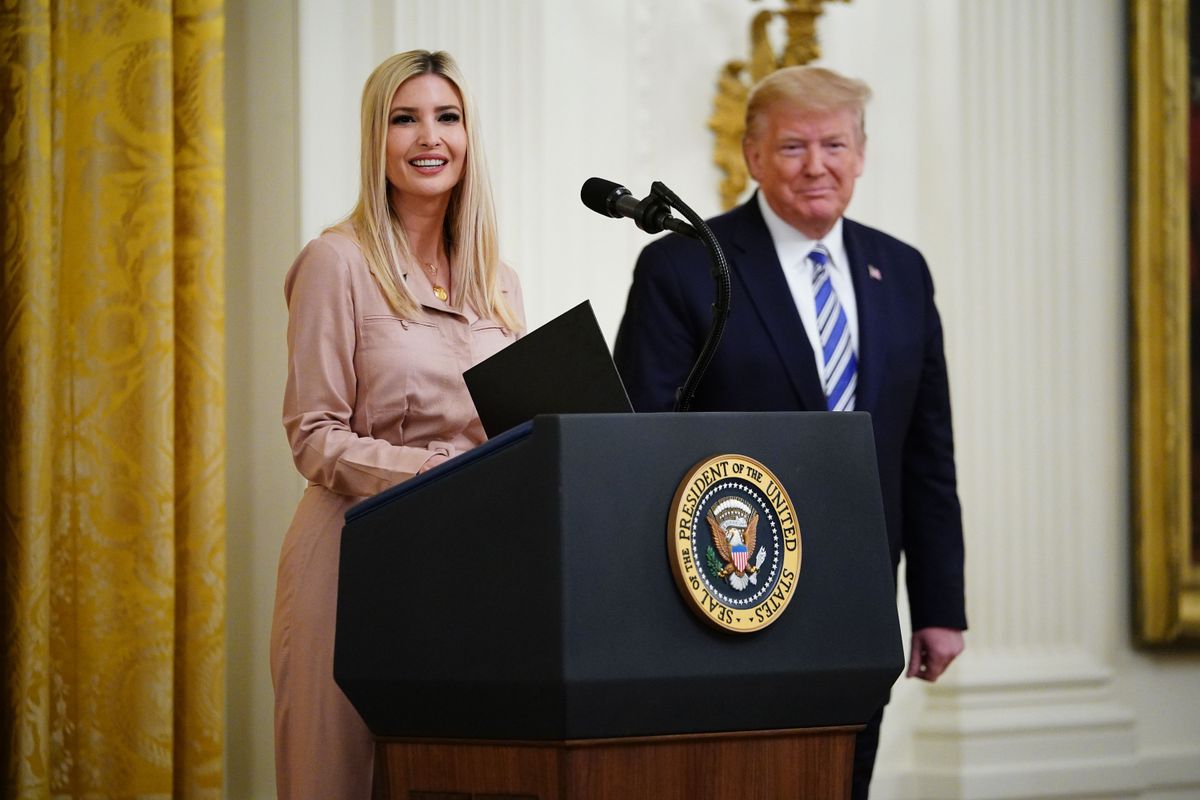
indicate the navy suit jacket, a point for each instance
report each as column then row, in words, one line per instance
column 765, row 363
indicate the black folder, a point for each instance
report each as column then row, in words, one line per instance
column 563, row 367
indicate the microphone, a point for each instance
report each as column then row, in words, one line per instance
column 651, row 214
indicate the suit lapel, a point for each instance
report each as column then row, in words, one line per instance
column 869, row 288
column 756, row 263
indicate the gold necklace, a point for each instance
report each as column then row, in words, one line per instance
column 438, row 291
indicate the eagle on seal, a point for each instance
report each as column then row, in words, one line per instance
column 734, row 544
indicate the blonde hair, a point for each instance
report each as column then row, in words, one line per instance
column 470, row 226
column 811, row 89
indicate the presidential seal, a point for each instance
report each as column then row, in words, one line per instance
column 734, row 543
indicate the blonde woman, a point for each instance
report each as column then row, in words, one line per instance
column 385, row 311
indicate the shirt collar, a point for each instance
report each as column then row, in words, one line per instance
column 792, row 246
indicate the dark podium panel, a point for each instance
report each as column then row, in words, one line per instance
column 522, row 592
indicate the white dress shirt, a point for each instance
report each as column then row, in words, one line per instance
column 793, row 248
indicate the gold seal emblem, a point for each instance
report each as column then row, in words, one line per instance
column 734, row 543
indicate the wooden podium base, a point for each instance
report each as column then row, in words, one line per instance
column 804, row 763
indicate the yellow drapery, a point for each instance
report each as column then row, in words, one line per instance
column 112, row 398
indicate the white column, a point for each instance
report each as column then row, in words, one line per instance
column 1024, row 159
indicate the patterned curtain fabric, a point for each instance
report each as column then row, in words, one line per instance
column 112, row 564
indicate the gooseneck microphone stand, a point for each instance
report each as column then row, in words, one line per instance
column 659, row 193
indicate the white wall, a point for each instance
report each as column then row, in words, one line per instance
column 996, row 144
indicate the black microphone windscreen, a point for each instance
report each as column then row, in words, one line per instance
column 596, row 193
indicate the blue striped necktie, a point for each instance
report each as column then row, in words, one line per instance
column 840, row 370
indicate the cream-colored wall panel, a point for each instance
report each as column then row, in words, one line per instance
column 262, row 183
column 338, row 46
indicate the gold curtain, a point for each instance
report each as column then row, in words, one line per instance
column 112, row 390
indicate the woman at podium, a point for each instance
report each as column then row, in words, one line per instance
column 385, row 311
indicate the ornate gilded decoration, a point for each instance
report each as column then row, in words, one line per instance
column 112, row 511
column 1166, row 561
column 737, row 77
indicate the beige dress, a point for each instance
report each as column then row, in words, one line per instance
column 371, row 398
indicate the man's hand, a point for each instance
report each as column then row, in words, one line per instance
column 932, row 651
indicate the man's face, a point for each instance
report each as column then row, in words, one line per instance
column 806, row 163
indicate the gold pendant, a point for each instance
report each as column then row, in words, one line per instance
column 440, row 293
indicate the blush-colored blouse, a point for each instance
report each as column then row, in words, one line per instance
column 371, row 396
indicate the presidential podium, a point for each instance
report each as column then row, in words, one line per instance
column 509, row 626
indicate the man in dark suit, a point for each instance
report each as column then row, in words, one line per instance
column 827, row 314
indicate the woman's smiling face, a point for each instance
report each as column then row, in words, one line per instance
column 426, row 138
